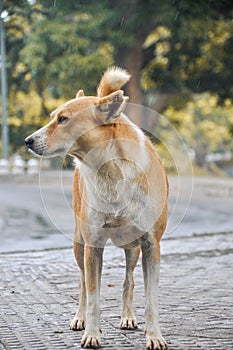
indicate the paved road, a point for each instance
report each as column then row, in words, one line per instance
column 37, row 216
column 39, row 278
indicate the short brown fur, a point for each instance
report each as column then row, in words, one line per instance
column 129, row 176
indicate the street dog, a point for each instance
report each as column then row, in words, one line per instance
column 120, row 192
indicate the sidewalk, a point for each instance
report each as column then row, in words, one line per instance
column 39, row 296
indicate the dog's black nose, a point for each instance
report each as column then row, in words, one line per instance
column 29, row 141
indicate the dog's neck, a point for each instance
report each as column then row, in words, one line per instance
column 110, row 168
column 111, row 142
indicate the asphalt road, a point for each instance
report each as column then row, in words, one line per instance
column 36, row 213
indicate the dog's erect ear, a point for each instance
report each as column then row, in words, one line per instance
column 80, row 93
column 112, row 105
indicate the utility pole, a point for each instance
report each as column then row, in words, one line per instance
column 5, row 140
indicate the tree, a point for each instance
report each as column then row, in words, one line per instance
column 50, row 56
column 169, row 47
column 204, row 126
column 61, row 57
column 185, row 56
column 18, row 21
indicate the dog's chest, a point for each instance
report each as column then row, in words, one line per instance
column 115, row 194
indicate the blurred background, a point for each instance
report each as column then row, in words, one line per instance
column 179, row 53
column 180, row 56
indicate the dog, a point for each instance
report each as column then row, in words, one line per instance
column 120, row 192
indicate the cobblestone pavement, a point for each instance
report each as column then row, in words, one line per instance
column 39, row 277
column 39, row 297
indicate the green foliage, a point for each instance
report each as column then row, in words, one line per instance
column 17, row 24
column 56, row 47
column 61, row 56
column 64, row 42
column 194, row 53
column 204, row 126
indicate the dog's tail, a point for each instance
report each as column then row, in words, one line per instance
column 112, row 80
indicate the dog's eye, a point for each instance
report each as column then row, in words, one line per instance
column 61, row 119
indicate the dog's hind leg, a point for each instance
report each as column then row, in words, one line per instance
column 128, row 319
column 151, row 264
column 79, row 320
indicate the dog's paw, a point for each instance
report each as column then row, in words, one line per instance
column 78, row 324
column 155, row 343
column 128, row 323
column 90, row 341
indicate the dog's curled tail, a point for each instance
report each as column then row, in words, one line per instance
column 112, row 80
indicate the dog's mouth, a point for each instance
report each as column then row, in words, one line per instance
column 35, row 153
column 46, row 153
column 61, row 151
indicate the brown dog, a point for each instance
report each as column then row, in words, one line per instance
column 119, row 192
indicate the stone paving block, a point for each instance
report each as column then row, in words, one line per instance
column 39, row 295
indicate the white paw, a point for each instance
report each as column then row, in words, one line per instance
column 155, row 343
column 78, row 324
column 128, row 323
column 90, row 341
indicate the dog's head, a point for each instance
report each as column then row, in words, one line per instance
column 77, row 125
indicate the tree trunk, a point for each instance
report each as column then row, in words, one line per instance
column 161, row 103
column 132, row 59
column 133, row 63
column 201, row 151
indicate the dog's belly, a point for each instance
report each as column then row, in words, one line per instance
column 126, row 236
column 120, row 229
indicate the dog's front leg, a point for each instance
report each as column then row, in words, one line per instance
column 93, row 268
column 151, row 264
column 79, row 320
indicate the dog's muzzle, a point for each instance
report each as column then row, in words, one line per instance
column 33, row 145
